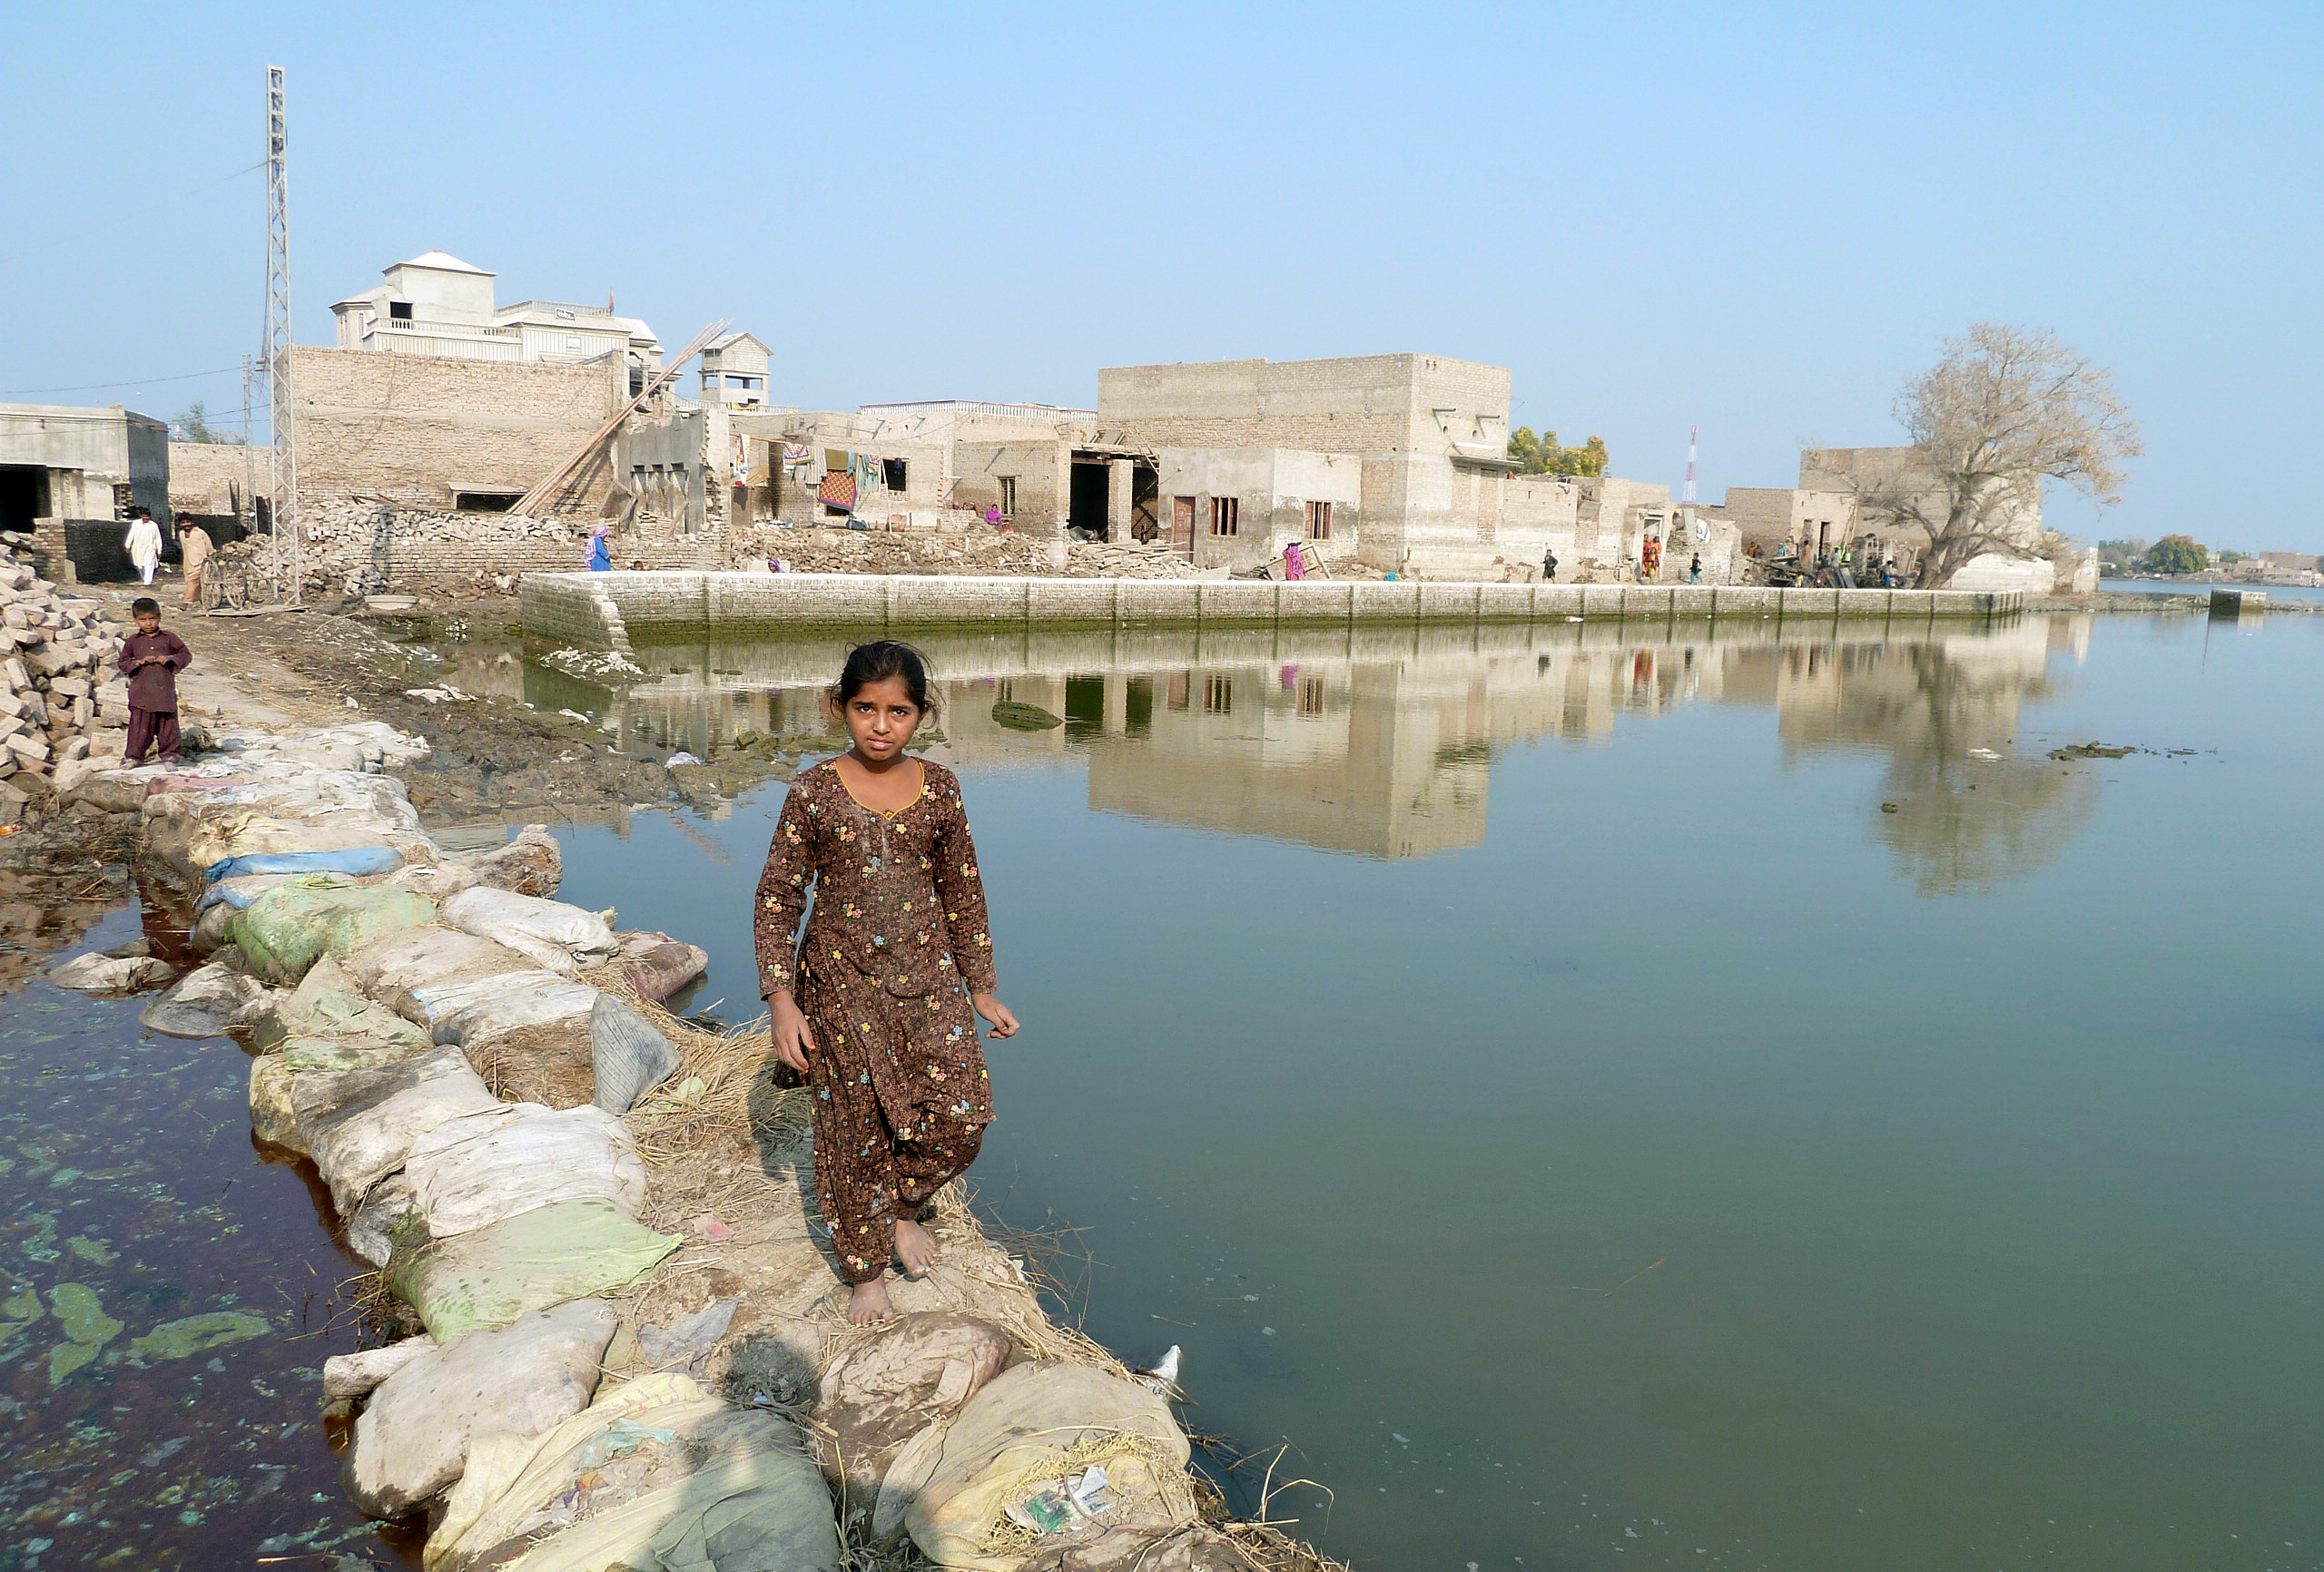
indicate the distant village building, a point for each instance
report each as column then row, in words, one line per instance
column 1866, row 473
column 65, row 469
column 439, row 305
column 733, row 372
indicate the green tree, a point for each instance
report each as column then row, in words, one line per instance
column 1542, row 456
column 2177, row 554
column 193, row 426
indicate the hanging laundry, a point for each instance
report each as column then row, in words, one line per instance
column 838, row 490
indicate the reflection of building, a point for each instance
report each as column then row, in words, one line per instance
column 1378, row 740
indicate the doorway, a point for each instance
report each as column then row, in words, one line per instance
column 24, row 497
column 1086, row 503
column 1182, row 525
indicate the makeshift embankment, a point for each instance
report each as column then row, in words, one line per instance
column 607, row 610
column 630, row 1348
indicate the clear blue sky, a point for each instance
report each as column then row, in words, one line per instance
column 1752, row 220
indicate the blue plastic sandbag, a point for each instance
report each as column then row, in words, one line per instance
column 352, row 860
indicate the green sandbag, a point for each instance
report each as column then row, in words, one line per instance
column 490, row 1276
column 289, row 927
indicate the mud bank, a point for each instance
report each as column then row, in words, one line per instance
column 626, row 1341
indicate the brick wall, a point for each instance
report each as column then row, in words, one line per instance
column 415, row 429
column 205, row 477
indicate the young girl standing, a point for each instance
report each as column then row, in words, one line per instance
column 872, row 1007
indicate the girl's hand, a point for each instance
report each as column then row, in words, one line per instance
column 1004, row 1023
column 792, row 1040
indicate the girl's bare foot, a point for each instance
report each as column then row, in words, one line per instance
column 870, row 1306
column 915, row 1247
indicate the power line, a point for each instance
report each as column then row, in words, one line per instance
column 124, row 382
column 113, row 226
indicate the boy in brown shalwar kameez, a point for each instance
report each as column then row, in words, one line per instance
column 873, row 1009
column 152, row 659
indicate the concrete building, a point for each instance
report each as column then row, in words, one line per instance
column 1772, row 517
column 1255, row 453
column 733, row 372
column 439, row 305
column 57, row 461
column 1866, row 476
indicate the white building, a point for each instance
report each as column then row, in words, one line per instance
column 439, row 305
column 733, row 372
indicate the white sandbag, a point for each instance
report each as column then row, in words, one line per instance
column 206, row 1003
column 371, row 1231
column 105, row 974
column 471, row 1013
column 627, row 1055
column 916, row 1371
column 692, row 1484
column 350, row 1375
column 561, row 938
column 521, row 1380
column 478, row 1169
column 953, row 1489
column 272, row 1119
column 390, row 967
column 359, row 1124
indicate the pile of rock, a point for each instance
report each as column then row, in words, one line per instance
column 64, row 696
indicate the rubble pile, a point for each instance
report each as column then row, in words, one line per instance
column 65, row 698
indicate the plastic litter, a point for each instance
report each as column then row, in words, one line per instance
column 482, row 1168
column 562, row 938
column 355, row 861
column 686, row 1345
column 491, row 1275
column 629, row 1056
column 286, row 929
column 239, row 892
column 679, row 758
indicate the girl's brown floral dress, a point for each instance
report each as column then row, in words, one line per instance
column 897, row 941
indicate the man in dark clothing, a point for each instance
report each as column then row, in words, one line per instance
column 1549, row 565
column 152, row 659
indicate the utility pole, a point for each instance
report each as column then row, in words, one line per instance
column 289, row 575
column 250, row 449
column 1689, row 498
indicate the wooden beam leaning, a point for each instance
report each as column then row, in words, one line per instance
column 662, row 378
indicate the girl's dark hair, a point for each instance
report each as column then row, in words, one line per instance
column 876, row 662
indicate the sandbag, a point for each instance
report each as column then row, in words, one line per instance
column 359, row 1124
column 628, row 1056
column 915, row 1372
column 531, row 864
column 389, row 966
column 286, row 929
column 560, row 936
column 206, row 1003
column 479, row 1169
column 473, row 1013
column 328, row 1003
column 657, row 966
column 1030, row 1429
column 524, row 1379
column 491, row 1275
column 388, row 1208
column 355, row 861
column 272, row 1120
column 238, row 892
column 105, row 974
column 351, row 1375
column 656, row 1476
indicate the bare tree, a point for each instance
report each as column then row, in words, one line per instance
column 2003, row 411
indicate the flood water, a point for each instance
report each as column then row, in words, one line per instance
column 1650, row 1096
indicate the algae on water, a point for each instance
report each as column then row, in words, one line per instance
column 178, row 1339
column 81, row 1316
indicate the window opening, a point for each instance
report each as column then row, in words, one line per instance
column 1225, row 515
column 1319, row 521
column 1218, row 695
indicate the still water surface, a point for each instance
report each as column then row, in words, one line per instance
column 1645, row 1096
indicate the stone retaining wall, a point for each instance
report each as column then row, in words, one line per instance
column 603, row 610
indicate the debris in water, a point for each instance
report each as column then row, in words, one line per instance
column 2094, row 751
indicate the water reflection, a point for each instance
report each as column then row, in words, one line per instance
column 1377, row 742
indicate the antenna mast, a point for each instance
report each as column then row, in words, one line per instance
column 1689, row 498
column 290, row 578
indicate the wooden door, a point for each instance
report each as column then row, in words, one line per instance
column 1182, row 525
